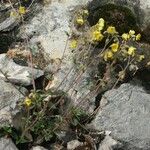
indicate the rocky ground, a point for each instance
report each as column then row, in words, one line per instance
column 121, row 114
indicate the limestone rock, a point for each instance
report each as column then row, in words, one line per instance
column 38, row 148
column 7, row 144
column 73, row 144
column 126, row 115
column 49, row 28
column 17, row 74
column 8, row 24
column 9, row 97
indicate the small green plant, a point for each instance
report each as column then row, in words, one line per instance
column 44, row 114
column 78, row 117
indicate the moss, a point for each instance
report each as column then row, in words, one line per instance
column 119, row 16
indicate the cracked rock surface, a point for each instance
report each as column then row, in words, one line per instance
column 126, row 115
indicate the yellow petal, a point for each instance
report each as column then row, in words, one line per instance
column 141, row 57
column 97, row 36
column 108, row 55
column 22, row 10
column 13, row 14
column 86, row 12
column 125, row 36
column 73, row 44
column 111, row 30
column 101, row 23
column 80, row 21
column 27, row 101
column 138, row 37
column 131, row 32
column 131, row 51
column 114, row 47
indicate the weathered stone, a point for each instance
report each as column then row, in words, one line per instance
column 7, row 144
column 9, row 24
column 38, row 148
column 17, row 74
column 108, row 143
column 126, row 115
column 9, row 97
column 73, row 144
column 49, row 27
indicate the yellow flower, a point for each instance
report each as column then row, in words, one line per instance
column 27, row 102
column 13, row 14
column 97, row 36
column 131, row 51
column 111, row 30
column 85, row 12
column 108, row 55
column 131, row 32
column 101, row 23
column 22, row 10
column 141, row 57
column 80, row 21
column 73, row 44
column 138, row 37
column 125, row 36
column 114, row 47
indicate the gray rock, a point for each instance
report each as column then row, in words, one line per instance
column 9, row 23
column 145, row 7
column 73, row 144
column 9, row 97
column 49, row 27
column 17, row 74
column 7, row 144
column 108, row 143
column 38, row 148
column 126, row 115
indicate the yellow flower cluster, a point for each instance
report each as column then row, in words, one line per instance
column 109, row 54
column 80, row 20
column 96, row 33
column 97, row 36
column 115, row 49
column 131, row 34
column 21, row 11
